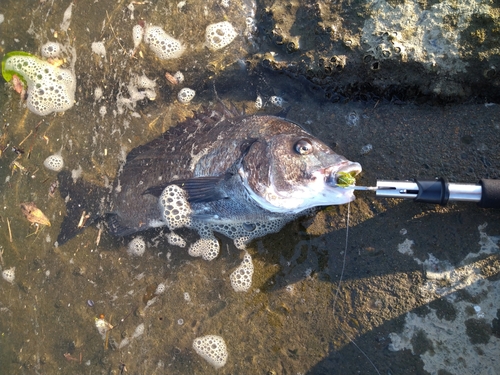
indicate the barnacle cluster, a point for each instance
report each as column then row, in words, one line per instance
column 386, row 45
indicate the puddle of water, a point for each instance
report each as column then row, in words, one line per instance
column 48, row 314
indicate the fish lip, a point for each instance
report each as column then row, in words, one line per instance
column 331, row 174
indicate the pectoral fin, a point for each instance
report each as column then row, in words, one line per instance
column 198, row 189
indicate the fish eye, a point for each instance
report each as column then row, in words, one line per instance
column 303, row 147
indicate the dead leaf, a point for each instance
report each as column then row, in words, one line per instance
column 33, row 214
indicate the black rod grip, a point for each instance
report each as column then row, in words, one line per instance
column 490, row 193
column 433, row 191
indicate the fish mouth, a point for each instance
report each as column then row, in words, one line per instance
column 332, row 174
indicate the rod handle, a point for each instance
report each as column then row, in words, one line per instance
column 490, row 193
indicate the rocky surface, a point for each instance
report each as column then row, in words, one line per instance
column 398, row 50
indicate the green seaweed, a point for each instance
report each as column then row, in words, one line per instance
column 345, row 179
column 8, row 74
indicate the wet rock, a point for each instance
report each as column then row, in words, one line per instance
column 79, row 271
column 478, row 330
column 438, row 50
column 495, row 325
column 444, row 309
column 421, row 343
column 217, row 308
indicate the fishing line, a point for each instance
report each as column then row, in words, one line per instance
column 340, row 282
column 345, row 255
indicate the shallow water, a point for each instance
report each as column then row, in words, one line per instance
column 394, row 312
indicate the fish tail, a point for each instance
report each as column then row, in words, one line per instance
column 83, row 205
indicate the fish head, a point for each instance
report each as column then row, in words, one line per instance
column 291, row 171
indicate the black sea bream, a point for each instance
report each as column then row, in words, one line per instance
column 242, row 176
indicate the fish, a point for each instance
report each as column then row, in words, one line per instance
column 243, row 176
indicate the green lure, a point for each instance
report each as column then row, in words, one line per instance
column 345, row 179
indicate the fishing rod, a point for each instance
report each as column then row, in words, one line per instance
column 486, row 193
